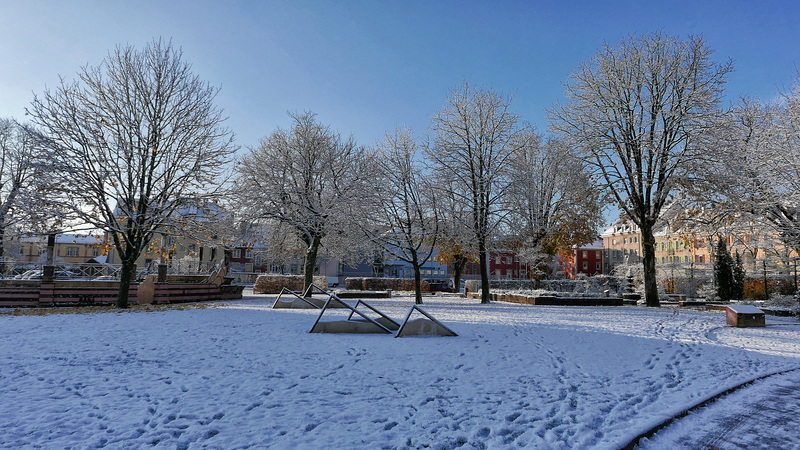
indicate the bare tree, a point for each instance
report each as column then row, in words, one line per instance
column 22, row 173
column 553, row 202
column 779, row 170
column 137, row 138
column 754, row 183
column 402, row 208
column 303, row 177
column 455, row 246
column 638, row 113
column 476, row 136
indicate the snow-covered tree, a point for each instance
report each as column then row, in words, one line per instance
column 475, row 137
column 401, row 207
column 754, row 180
column 455, row 246
column 23, row 161
column 638, row 113
column 779, row 170
column 553, row 203
column 305, row 177
column 135, row 139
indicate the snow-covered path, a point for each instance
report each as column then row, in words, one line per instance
column 243, row 375
column 764, row 415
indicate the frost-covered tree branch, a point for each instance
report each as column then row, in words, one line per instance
column 639, row 113
column 401, row 215
column 305, row 178
column 475, row 138
column 23, row 171
column 136, row 139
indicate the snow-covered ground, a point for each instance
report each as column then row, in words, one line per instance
column 240, row 375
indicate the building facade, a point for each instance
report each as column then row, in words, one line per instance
column 622, row 244
column 69, row 248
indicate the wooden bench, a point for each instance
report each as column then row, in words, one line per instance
column 19, row 296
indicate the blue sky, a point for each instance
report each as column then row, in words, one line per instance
column 367, row 66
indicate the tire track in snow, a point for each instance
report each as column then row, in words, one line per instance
column 738, row 422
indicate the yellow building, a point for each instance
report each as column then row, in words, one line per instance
column 184, row 254
column 69, row 248
column 622, row 244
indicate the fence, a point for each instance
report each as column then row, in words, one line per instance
column 33, row 271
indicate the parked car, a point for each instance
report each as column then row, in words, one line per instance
column 27, row 274
column 105, row 278
column 58, row 275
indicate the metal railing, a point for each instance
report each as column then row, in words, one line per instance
column 33, row 271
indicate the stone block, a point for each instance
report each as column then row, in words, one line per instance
column 743, row 316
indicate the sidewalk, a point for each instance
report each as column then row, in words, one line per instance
column 764, row 415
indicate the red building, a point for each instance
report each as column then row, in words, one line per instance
column 503, row 265
column 587, row 259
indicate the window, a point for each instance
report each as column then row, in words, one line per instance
column 613, row 242
column 599, row 254
column 585, row 265
column 95, row 251
column 237, row 253
column 585, row 254
column 700, row 258
column 248, row 253
column 597, row 267
column 170, row 240
column 72, row 251
column 624, row 240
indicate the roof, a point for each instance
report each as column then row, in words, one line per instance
column 83, row 239
column 620, row 227
column 596, row 245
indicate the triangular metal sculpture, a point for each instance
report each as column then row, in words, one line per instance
column 319, row 290
column 427, row 326
column 367, row 325
column 299, row 302
column 383, row 319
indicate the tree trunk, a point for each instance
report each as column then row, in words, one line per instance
column 417, row 283
column 649, row 262
column 2, row 245
column 310, row 264
column 459, row 262
column 2, row 239
column 484, row 264
column 125, row 280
